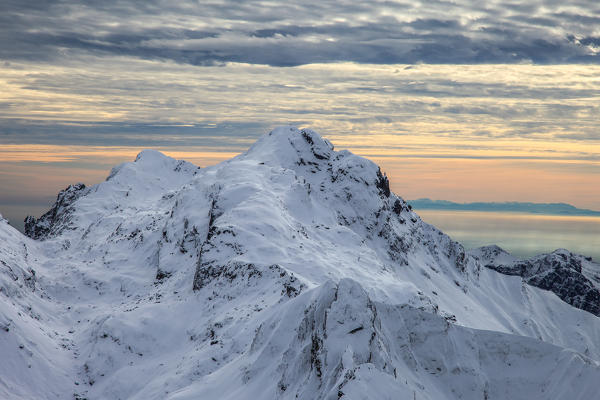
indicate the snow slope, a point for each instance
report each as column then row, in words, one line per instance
column 289, row 271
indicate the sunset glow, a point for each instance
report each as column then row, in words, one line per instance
column 463, row 133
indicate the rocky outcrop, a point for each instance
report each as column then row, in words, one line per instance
column 560, row 272
column 57, row 218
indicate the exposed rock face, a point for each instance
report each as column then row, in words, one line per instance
column 571, row 277
column 57, row 218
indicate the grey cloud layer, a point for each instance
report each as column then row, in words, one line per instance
column 226, row 136
column 380, row 32
column 130, row 102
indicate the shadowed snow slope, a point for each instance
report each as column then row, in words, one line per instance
column 290, row 271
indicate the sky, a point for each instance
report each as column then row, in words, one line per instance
column 456, row 100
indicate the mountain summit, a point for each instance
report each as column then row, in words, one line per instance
column 288, row 272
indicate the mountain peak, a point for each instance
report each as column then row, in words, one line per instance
column 286, row 146
column 151, row 163
column 151, row 155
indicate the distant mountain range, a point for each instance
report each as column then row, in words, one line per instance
column 513, row 206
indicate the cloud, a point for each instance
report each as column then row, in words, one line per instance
column 228, row 136
column 125, row 101
column 380, row 32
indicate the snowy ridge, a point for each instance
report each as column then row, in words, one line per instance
column 289, row 271
column 574, row 278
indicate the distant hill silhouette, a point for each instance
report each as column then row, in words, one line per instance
column 513, row 206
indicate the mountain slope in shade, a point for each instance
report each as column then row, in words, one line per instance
column 289, row 271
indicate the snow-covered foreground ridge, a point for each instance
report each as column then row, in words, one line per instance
column 288, row 272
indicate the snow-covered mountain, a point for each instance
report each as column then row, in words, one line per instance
column 288, row 272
